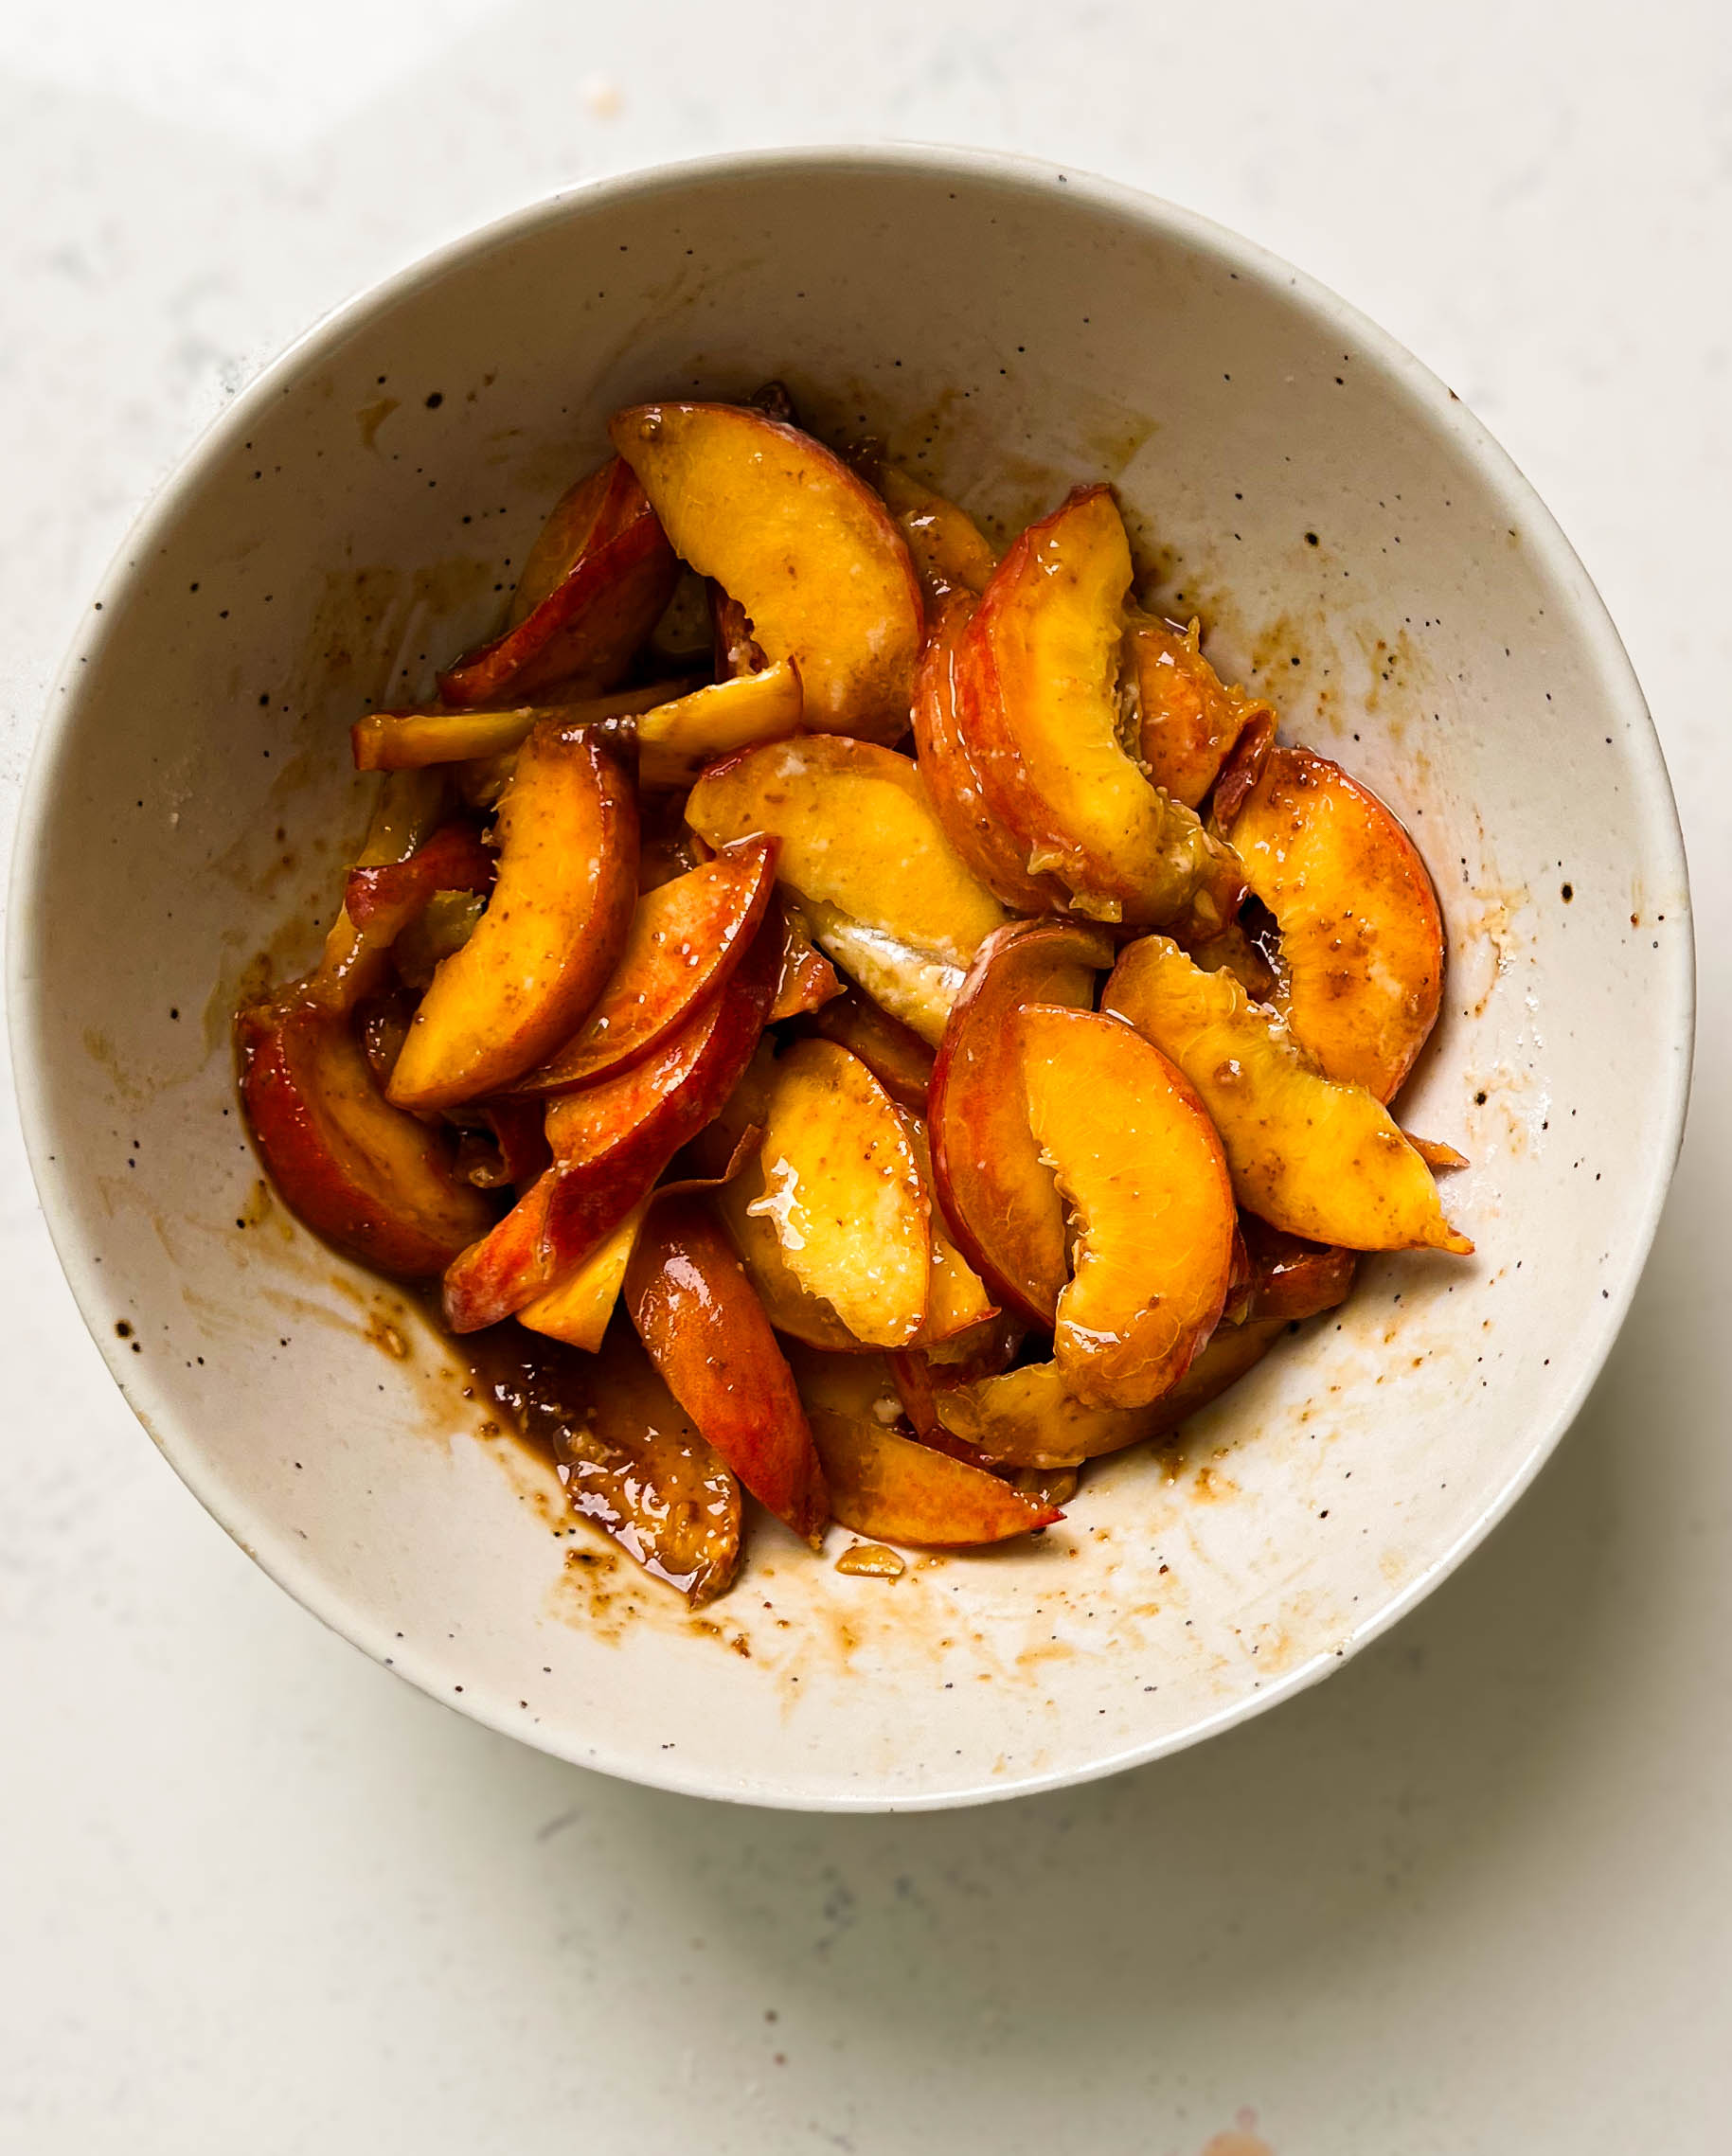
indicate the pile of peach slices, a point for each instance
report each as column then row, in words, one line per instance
column 885, row 1022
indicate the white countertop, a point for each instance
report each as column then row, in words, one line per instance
column 1472, row 1894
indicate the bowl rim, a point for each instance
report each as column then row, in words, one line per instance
column 1432, row 403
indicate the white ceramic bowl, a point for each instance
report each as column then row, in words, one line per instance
column 1355, row 543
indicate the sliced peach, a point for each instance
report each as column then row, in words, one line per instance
column 438, row 932
column 800, row 542
column 1362, row 939
column 733, row 1139
column 677, row 741
column 858, row 835
column 407, row 812
column 1440, row 1158
column 808, row 980
column 913, row 986
column 1040, row 716
column 958, row 798
column 1028, row 1418
column 998, row 1197
column 1187, row 720
column 413, row 741
column 608, row 585
column 956, row 1298
column 610, row 1142
column 378, row 1184
column 684, row 939
column 1140, row 1167
column 884, row 1483
column 385, row 895
column 707, row 1334
column 842, row 1187
column 628, row 1455
column 1289, row 1278
column 577, row 1306
column 591, row 511
column 1308, row 1153
column 894, row 1053
column 948, row 547
column 1241, row 770
column 552, row 934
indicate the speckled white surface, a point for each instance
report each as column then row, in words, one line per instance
column 1468, row 1895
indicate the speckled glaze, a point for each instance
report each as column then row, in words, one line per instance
column 1355, row 545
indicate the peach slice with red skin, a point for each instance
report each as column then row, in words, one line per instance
column 375, row 1183
column 594, row 587
column 998, row 1197
column 1188, row 721
column 384, row 897
column 1362, row 938
column 885, row 1483
column 554, row 928
column 610, row 1142
column 1039, row 715
column 684, row 939
column 842, row 1186
column 1289, row 1278
column 959, row 797
column 706, row 1333
column 1139, row 1163
column 1306, row 1153
column 800, row 542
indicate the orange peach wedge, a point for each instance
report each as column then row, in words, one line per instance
column 579, row 1305
column 1362, row 939
column 610, row 1142
column 802, row 544
column 841, row 1188
column 684, row 939
column 884, row 891
column 950, row 550
column 1040, row 716
column 1308, row 1153
column 886, row 1484
column 1140, row 1164
column 998, row 1196
column 552, row 934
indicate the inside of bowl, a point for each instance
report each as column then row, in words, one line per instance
column 1352, row 548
